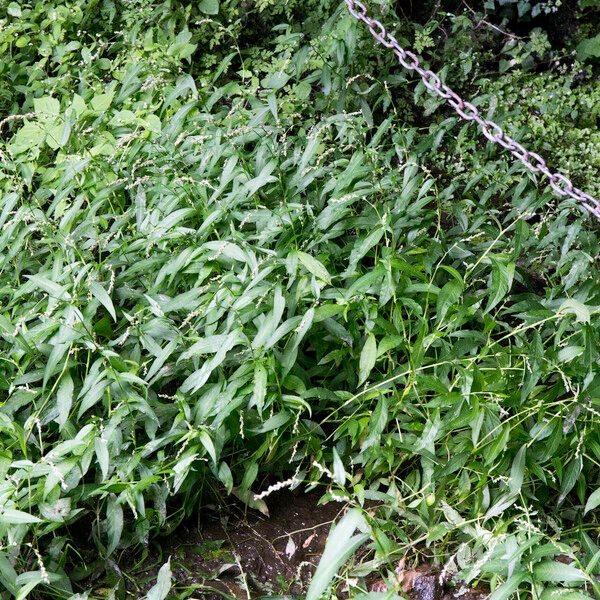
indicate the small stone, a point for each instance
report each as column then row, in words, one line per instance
column 426, row 587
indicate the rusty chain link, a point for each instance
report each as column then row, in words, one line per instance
column 467, row 111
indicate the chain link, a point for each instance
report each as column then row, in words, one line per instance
column 468, row 112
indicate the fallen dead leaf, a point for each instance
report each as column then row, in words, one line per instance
column 290, row 548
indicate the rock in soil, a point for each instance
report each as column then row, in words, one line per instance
column 427, row 587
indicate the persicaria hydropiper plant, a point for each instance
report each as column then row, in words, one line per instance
column 242, row 249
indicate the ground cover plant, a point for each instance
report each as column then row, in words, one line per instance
column 239, row 245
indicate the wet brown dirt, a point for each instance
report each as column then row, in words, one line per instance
column 244, row 554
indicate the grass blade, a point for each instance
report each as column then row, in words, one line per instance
column 340, row 546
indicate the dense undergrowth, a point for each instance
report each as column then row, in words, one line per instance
column 239, row 243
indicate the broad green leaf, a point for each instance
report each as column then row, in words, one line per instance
column 304, row 326
column 56, row 356
column 262, row 179
column 29, row 580
column 198, row 378
column 8, row 575
column 102, row 456
column 448, row 296
column 517, row 471
column 437, row 532
column 16, row 517
column 78, row 104
column 247, row 497
column 341, row 545
column 208, row 444
column 570, row 477
column 500, row 505
column 314, row 266
column 497, row 445
column 580, row 310
column 558, row 572
column 161, row 358
column 286, row 327
column 225, row 476
column 227, row 250
column 507, row 590
column 207, row 345
column 14, row 10
column 377, row 424
column 556, row 593
column 500, row 282
column 160, row 590
column 430, row 433
column 57, row 511
column 181, row 470
column 593, row 501
column 53, row 289
column 271, row 321
column 114, row 521
column 64, row 399
column 589, row 48
column 276, row 80
column 209, row 7
column 250, row 475
column 46, row 106
column 57, row 134
column 339, row 472
column 260, row 388
column 274, row 422
column 361, row 247
column 102, row 102
column 31, row 135
column 91, row 397
column 102, row 296
column 569, row 353
column 368, row 356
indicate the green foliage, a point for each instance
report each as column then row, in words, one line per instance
column 232, row 246
column 341, row 544
column 524, row 8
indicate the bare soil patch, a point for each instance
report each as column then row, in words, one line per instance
column 243, row 554
column 239, row 553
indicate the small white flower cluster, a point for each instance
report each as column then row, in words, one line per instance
column 191, row 315
column 18, row 326
column 343, row 498
column 139, row 181
column 186, row 440
column 56, row 471
column 133, row 323
column 15, row 118
column 276, row 487
column 324, row 470
column 42, row 567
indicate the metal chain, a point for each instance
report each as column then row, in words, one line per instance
column 467, row 111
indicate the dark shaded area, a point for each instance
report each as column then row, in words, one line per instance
column 425, row 583
column 236, row 553
column 560, row 25
column 420, row 11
